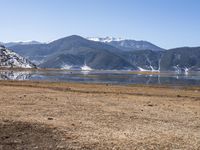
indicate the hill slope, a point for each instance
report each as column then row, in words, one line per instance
column 181, row 59
column 10, row 59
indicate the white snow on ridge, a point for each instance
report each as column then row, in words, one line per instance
column 104, row 40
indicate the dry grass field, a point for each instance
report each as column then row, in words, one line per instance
column 44, row 115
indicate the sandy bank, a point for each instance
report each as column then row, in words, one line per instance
column 44, row 115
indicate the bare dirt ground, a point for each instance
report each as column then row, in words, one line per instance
column 42, row 115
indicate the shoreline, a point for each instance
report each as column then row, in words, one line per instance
column 55, row 69
column 35, row 82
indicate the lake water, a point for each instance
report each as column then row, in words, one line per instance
column 111, row 77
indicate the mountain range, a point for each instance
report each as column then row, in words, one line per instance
column 10, row 44
column 75, row 52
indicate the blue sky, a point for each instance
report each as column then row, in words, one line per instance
column 167, row 23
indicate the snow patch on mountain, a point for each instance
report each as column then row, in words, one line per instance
column 66, row 67
column 86, row 68
column 104, row 40
column 142, row 69
column 151, row 69
column 81, row 68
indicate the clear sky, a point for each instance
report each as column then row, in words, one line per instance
column 166, row 23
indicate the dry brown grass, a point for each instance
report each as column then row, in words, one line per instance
column 97, row 116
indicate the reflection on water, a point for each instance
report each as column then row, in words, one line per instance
column 13, row 75
column 112, row 77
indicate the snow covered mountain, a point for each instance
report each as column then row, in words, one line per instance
column 9, row 59
column 127, row 45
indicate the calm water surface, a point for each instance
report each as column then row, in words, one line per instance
column 112, row 77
